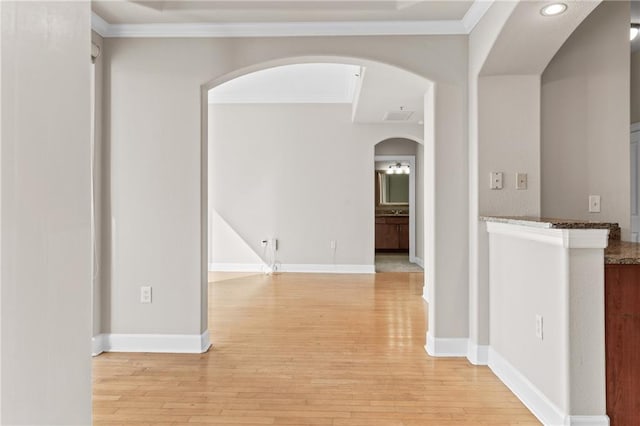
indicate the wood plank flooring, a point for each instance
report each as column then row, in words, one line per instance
column 302, row 349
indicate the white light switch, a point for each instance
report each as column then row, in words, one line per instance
column 521, row 181
column 145, row 294
column 539, row 325
column 496, row 180
column 594, row 204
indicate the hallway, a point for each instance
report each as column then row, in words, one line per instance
column 306, row 349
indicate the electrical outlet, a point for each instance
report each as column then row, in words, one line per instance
column 594, row 204
column 539, row 327
column 496, row 180
column 333, row 244
column 145, row 294
column 521, row 181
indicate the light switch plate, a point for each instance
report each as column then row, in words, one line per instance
column 521, row 181
column 594, row 204
column 496, row 180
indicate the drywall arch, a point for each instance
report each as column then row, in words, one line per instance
column 154, row 130
column 509, row 50
column 438, row 250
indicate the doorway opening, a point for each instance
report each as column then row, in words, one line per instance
column 396, row 173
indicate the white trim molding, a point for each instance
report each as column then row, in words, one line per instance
column 418, row 261
column 152, row 343
column 588, row 421
column 477, row 354
column 446, row 347
column 237, row 267
column 296, row 29
column 541, row 407
column 294, row 267
column 326, row 268
column 547, row 412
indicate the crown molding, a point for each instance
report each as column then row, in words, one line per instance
column 475, row 14
column 295, row 29
column 99, row 25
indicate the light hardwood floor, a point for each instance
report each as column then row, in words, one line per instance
column 296, row 349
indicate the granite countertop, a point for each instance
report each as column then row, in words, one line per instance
column 547, row 222
column 617, row 252
column 622, row 253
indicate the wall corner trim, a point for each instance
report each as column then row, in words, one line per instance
column 547, row 412
column 588, row 421
column 446, row 347
column 153, row 343
column 477, row 354
column 418, row 261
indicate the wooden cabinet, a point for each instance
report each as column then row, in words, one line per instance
column 392, row 233
column 622, row 340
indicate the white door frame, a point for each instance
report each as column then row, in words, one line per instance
column 411, row 159
column 635, row 182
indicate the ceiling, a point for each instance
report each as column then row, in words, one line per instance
column 265, row 18
column 187, row 11
column 374, row 90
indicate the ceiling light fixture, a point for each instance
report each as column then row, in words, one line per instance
column 633, row 31
column 553, row 9
column 399, row 169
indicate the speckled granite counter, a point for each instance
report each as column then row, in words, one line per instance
column 617, row 253
column 622, row 253
column 546, row 222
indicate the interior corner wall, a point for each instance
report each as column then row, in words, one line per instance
column 153, row 128
column 509, row 142
column 420, row 202
column 45, row 227
column 635, row 87
column 585, row 121
column 98, row 193
column 301, row 173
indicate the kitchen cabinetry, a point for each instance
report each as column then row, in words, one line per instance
column 622, row 337
column 392, row 233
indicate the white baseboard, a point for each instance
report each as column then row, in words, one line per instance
column 236, row 267
column 425, row 293
column 546, row 411
column 157, row 343
column 446, row 347
column 588, row 421
column 327, row 269
column 97, row 344
column 417, row 261
column 477, row 354
column 294, row 267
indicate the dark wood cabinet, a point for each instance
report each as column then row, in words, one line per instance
column 622, row 340
column 392, row 233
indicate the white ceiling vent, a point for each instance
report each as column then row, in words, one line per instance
column 398, row 115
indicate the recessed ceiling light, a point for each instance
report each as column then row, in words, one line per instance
column 553, row 9
column 633, row 31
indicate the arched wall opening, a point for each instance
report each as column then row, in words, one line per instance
column 280, row 218
column 402, row 245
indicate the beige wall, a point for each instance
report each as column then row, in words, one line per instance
column 635, row 87
column 45, row 278
column 302, row 173
column 153, row 129
column 585, row 125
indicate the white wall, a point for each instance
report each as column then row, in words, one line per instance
column 45, row 278
column 509, row 129
column 635, row 87
column 559, row 275
column 98, row 184
column 153, row 90
column 301, row 173
column 585, row 121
